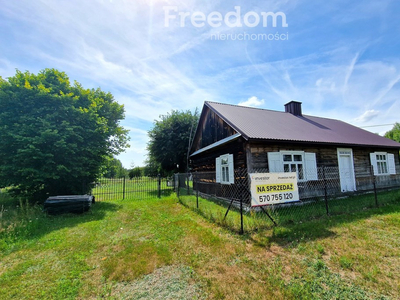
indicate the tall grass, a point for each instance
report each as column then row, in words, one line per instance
column 18, row 220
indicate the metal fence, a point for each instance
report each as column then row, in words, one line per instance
column 135, row 188
column 230, row 205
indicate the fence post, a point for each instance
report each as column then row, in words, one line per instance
column 187, row 183
column 241, row 216
column 374, row 183
column 123, row 190
column 177, row 186
column 325, row 191
column 195, row 188
column 159, row 185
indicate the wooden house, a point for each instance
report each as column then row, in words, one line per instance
column 230, row 137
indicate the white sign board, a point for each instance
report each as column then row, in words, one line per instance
column 273, row 188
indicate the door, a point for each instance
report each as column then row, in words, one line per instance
column 346, row 170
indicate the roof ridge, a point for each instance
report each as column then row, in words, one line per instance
column 278, row 111
column 241, row 106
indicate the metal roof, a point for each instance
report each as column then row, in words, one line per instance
column 262, row 124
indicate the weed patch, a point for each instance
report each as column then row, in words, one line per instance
column 171, row 282
column 320, row 283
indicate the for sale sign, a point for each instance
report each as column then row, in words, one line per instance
column 273, row 188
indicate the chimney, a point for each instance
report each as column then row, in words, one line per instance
column 294, row 108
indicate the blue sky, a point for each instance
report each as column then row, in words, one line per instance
column 339, row 58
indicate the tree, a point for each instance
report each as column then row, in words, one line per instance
column 152, row 167
column 55, row 136
column 394, row 133
column 135, row 172
column 113, row 168
column 169, row 140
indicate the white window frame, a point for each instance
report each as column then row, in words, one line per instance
column 288, row 165
column 383, row 163
column 224, row 169
column 276, row 164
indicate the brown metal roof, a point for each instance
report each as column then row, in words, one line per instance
column 255, row 123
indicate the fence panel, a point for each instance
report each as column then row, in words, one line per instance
column 230, row 204
column 106, row 189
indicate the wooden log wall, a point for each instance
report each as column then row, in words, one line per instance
column 257, row 156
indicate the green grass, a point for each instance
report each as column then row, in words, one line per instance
column 160, row 249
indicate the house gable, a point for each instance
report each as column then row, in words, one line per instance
column 210, row 130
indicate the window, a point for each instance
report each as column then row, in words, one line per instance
column 224, row 169
column 383, row 163
column 303, row 163
column 293, row 163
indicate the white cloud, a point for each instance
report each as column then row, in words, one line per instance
column 252, row 102
column 367, row 116
column 6, row 70
column 136, row 153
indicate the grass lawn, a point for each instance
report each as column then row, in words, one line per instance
column 159, row 249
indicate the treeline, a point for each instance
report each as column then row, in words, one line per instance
column 114, row 169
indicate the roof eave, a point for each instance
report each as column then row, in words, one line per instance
column 217, row 144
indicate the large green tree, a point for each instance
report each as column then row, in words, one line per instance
column 394, row 133
column 55, row 136
column 169, row 140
